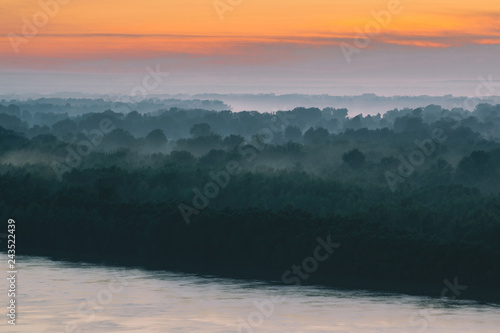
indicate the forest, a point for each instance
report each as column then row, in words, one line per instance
column 410, row 194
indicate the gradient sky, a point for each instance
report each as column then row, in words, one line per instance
column 259, row 46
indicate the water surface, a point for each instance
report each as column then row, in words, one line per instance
column 56, row 296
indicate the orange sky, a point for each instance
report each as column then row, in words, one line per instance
column 81, row 34
column 89, row 26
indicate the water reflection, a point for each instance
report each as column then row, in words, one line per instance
column 68, row 297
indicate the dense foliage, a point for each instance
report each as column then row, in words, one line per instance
column 411, row 195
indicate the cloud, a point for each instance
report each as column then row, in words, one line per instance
column 114, row 45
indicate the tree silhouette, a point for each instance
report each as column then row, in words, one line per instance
column 354, row 158
column 156, row 138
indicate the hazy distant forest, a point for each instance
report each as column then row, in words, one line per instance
column 411, row 195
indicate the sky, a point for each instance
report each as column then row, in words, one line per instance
column 335, row 47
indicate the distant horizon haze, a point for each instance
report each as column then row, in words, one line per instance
column 397, row 47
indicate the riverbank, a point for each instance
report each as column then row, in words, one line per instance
column 446, row 289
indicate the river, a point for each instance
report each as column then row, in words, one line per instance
column 57, row 296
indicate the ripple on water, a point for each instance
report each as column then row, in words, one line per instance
column 55, row 294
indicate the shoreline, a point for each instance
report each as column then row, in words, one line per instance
column 342, row 282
